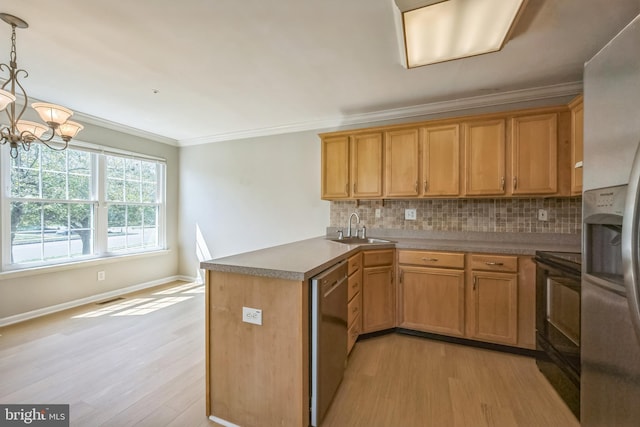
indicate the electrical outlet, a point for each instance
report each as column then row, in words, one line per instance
column 542, row 215
column 101, row 275
column 378, row 212
column 252, row 315
column 410, row 214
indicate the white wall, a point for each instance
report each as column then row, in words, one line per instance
column 25, row 293
column 249, row 194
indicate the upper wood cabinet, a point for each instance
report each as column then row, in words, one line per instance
column 335, row 167
column 366, row 165
column 423, row 162
column 402, row 163
column 440, row 160
column 485, row 154
column 577, row 142
column 352, row 166
column 524, row 153
column 534, row 154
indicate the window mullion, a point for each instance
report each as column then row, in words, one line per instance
column 101, row 210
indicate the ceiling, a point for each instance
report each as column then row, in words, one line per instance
column 195, row 71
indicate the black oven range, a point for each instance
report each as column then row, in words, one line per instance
column 558, row 284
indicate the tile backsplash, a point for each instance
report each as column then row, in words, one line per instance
column 517, row 215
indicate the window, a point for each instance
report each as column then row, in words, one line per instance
column 73, row 204
column 132, row 187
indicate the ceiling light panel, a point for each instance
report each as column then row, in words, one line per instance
column 454, row 29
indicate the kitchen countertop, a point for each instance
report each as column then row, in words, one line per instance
column 304, row 259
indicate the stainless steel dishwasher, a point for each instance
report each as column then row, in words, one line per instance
column 328, row 337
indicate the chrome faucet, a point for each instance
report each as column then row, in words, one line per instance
column 349, row 224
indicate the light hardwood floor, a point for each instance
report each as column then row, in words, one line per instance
column 123, row 364
column 120, row 368
column 400, row 380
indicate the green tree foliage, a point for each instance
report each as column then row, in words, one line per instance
column 52, row 177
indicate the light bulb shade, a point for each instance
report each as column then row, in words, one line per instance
column 52, row 114
column 69, row 130
column 6, row 98
column 34, row 129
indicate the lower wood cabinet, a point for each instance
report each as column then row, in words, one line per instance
column 354, row 299
column 482, row 297
column 493, row 307
column 378, row 290
column 493, row 298
column 431, row 291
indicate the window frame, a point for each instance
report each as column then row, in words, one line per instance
column 97, row 198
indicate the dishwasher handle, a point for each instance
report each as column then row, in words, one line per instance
column 328, row 288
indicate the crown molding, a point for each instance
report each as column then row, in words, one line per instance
column 97, row 121
column 496, row 99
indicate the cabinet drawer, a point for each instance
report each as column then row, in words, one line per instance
column 432, row 259
column 354, row 263
column 352, row 334
column 381, row 257
column 354, row 309
column 494, row 263
column 355, row 284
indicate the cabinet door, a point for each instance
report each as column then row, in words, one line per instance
column 335, row 167
column 432, row 300
column 534, row 159
column 366, row 165
column 493, row 307
column 484, row 143
column 401, row 163
column 577, row 142
column 441, row 161
column 378, row 299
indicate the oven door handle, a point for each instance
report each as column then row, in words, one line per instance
column 566, row 281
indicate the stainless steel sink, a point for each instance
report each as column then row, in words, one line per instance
column 359, row 241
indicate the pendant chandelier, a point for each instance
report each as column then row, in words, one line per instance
column 22, row 133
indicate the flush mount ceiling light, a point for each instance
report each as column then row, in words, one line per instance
column 436, row 31
column 22, row 133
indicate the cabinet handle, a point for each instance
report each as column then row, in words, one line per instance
column 515, row 182
column 426, row 185
column 346, row 188
column 354, row 309
column 502, row 183
column 430, row 259
column 474, row 283
column 416, row 186
column 494, row 263
column 355, row 187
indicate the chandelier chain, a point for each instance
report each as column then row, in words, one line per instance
column 13, row 55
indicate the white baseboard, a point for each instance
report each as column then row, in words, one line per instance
column 5, row 321
column 222, row 422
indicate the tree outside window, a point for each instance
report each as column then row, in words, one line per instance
column 53, row 205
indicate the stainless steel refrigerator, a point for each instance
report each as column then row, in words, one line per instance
column 610, row 343
column 610, row 322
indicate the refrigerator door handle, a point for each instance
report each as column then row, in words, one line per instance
column 630, row 242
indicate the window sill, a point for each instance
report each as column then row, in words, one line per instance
column 74, row 265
